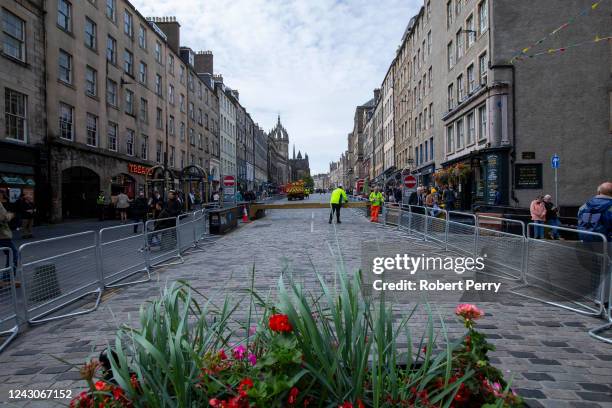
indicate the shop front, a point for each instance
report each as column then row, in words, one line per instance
column 424, row 175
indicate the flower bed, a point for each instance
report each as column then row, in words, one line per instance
column 339, row 350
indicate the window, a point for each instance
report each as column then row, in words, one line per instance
column 430, row 77
column 142, row 37
column 182, row 75
column 200, row 117
column 158, row 54
column 182, row 132
column 144, row 147
column 460, row 134
column 182, row 159
column 450, row 138
column 159, row 122
column 425, row 121
column 421, row 153
column 182, row 103
column 200, row 140
column 192, row 160
column 128, row 63
column 450, row 55
column 144, row 110
column 142, row 73
column 158, row 84
column 192, row 140
column 460, row 90
column 111, row 92
column 129, row 142
column 171, row 93
column 470, row 79
column 129, row 102
column 483, row 16
column 459, row 43
column 430, row 115
column 471, row 128
column 65, row 67
column 471, row 34
column 15, row 109
column 90, row 34
column 451, row 97
column 64, row 15
column 431, row 148
column 426, row 151
column 111, row 134
column 449, row 14
column 200, row 91
column 158, row 151
column 171, row 125
column 66, row 128
column 111, row 8
column 482, row 120
column 171, row 64
column 13, row 35
column 416, row 155
column 482, row 63
column 429, row 42
column 91, row 83
column 458, row 7
column 128, row 27
column 111, row 50
column 92, row 129
column 172, row 154
column 428, row 10
column 191, row 111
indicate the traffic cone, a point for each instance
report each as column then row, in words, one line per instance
column 245, row 216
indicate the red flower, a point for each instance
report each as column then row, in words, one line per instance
column 117, row 393
column 280, row 323
column 468, row 311
column 346, row 404
column 293, row 396
column 134, row 382
column 213, row 402
column 100, row 385
column 83, row 400
column 222, row 355
column 244, row 386
column 306, row 402
column 360, row 404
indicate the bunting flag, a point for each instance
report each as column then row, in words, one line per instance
column 551, row 51
column 582, row 13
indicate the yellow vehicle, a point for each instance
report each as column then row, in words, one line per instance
column 296, row 191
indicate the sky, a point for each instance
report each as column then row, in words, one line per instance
column 311, row 61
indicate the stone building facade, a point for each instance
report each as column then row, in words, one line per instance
column 24, row 160
column 299, row 165
column 279, row 172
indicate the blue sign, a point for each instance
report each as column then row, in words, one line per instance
column 555, row 162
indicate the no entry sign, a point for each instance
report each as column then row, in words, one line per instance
column 228, row 181
column 410, row 181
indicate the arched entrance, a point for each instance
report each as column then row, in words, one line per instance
column 194, row 182
column 159, row 179
column 80, row 188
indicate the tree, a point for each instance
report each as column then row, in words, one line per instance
column 308, row 182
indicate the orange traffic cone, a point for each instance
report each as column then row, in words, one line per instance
column 245, row 216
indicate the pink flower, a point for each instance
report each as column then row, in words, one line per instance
column 239, row 352
column 252, row 330
column 468, row 311
column 252, row 358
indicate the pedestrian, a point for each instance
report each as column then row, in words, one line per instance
column 376, row 202
column 430, row 197
column 414, row 197
column 6, row 235
column 596, row 214
column 398, row 195
column 497, row 197
column 100, row 201
column 552, row 216
column 26, row 210
column 538, row 216
column 173, row 206
column 123, row 203
column 165, row 221
column 337, row 198
column 139, row 210
column 448, row 196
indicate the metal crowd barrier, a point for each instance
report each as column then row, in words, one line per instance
column 461, row 233
column 51, row 281
column 9, row 326
column 186, row 232
column 122, row 254
column 576, row 273
column 162, row 242
column 502, row 249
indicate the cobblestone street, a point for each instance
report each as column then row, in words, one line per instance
column 547, row 350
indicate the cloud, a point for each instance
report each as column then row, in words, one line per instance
column 311, row 61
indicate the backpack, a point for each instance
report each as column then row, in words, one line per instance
column 593, row 221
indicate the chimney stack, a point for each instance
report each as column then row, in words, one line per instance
column 204, row 62
column 172, row 29
column 376, row 95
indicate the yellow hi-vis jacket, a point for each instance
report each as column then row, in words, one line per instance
column 376, row 198
column 338, row 196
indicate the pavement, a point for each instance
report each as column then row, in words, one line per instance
column 546, row 350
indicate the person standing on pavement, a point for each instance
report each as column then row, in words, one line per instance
column 139, row 210
column 552, row 216
column 100, row 201
column 26, row 210
column 173, row 206
column 123, row 203
column 397, row 194
column 537, row 210
column 337, row 198
column 596, row 214
column 448, row 196
column 6, row 235
column 376, row 202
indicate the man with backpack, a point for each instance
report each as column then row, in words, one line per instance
column 596, row 214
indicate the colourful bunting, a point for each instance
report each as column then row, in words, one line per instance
column 555, row 31
column 560, row 50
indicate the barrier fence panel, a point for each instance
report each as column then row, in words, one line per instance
column 436, row 225
column 200, row 225
column 573, row 273
column 9, row 326
column 461, row 233
column 162, row 242
column 503, row 250
column 186, row 232
column 418, row 221
column 405, row 218
column 598, row 332
column 51, row 282
column 392, row 215
column 123, row 254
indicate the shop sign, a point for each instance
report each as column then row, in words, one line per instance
column 138, row 168
column 528, row 176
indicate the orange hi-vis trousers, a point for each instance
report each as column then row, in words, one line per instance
column 374, row 211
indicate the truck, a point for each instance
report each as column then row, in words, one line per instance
column 296, row 190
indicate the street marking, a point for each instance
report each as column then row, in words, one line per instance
column 312, row 222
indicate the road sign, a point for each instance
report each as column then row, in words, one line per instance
column 228, row 181
column 410, row 181
column 555, row 161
